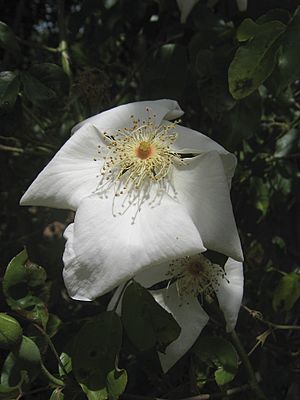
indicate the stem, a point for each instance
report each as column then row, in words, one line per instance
column 51, row 378
column 246, row 362
column 121, row 294
column 37, row 45
column 51, row 345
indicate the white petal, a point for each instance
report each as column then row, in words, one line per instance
column 230, row 292
column 191, row 141
column 190, row 316
column 185, row 7
column 202, row 187
column 119, row 117
column 108, row 250
column 71, row 174
column 154, row 274
column 116, row 297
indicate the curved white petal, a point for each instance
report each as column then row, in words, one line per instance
column 120, row 117
column 108, row 250
column 230, row 292
column 116, row 297
column 154, row 274
column 191, row 141
column 72, row 174
column 190, row 316
column 202, row 187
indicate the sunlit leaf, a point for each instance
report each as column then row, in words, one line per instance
column 287, row 292
column 254, row 61
column 10, row 331
column 116, row 383
column 220, row 354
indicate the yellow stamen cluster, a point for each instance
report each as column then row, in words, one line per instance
column 140, row 154
column 195, row 275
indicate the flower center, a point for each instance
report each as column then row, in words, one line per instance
column 196, row 275
column 144, row 150
column 139, row 154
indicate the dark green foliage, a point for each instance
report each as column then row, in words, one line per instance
column 236, row 76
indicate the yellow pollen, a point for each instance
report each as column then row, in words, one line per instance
column 140, row 154
column 144, row 150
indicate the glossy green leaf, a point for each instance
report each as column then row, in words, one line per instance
column 67, row 364
column 149, row 326
column 57, row 394
column 8, row 40
column 36, row 91
column 10, row 331
column 22, row 281
column 289, row 60
column 220, row 354
column 25, row 357
column 94, row 353
column 254, row 61
column 246, row 30
column 51, row 75
column 287, row 292
column 116, row 383
column 9, row 89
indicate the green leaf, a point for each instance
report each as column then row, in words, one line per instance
column 254, row 61
column 116, row 383
column 289, row 60
column 37, row 92
column 66, row 362
column 8, row 40
column 57, row 394
column 25, row 357
column 94, row 353
column 149, row 326
column 165, row 72
column 7, row 393
column 246, row 30
column 287, row 292
column 21, row 282
column 9, row 89
column 51, row 75
column 10, row 331
column 220, row 354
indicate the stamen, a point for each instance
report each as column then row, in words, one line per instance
column 140, row 154
column 195, row 275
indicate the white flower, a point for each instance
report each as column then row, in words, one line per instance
column 190, row 278
column 145, row 190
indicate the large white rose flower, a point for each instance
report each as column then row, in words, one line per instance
column 188, row 279
column 145, row 190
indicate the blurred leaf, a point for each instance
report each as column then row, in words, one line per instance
column 8, row 40
column 9, row 89
column 116, row 383
column 53, row 325
column 26, row 357
column 277, row 14
column 289, row 60
column 149, row 326
column 36, row 91
column 94, row 353
column 51, row 75
column 220, row 354
column 287, row 292
column 21, row 281
column 10, row 331
column 66, row 362
column 165, row 72
column 288, row 143
column 9, row 393
column 254, row 61
column 57, row 394
column 246, row 30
